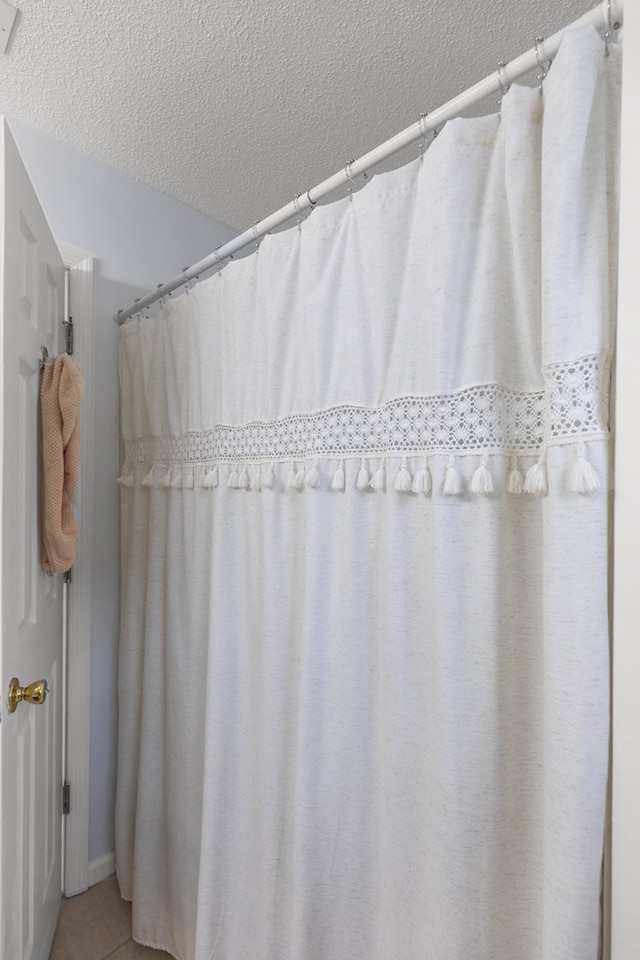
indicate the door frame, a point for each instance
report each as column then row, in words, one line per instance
column 79, row 609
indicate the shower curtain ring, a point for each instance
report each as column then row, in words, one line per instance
column 541, row 67
column 187, row 282
column 296, row 203
column 612, row 25
column 611, row 28
column 503, row 88
column 254, row 229
column 423, row 133
column 312, row 203
column 347, row 170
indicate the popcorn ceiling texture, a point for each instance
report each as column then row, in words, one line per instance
column 234, row 107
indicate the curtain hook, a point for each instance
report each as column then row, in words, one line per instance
column 503, row 89
column 187, row 282
column 541, row 67
column 423, row 133
column 347, row 170
column 612, row 27
column 312, row 203
column 296, row 203
column 254, row 230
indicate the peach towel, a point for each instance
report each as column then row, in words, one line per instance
column 60, row 394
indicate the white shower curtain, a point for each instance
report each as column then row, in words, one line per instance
column 364, row 639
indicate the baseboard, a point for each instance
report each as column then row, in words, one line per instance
column 102, row 867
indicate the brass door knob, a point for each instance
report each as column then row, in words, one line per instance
column 36, row 693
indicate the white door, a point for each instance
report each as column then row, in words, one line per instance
column 31, row 311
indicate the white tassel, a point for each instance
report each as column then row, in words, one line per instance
column 256, row 480
column 176, row 481
column 210, row 479
column 295, row 479
column 243, row 481
column 234, row 479
column 379, row 479
column 165, row 479
column 126, row 480
column 535, row 482
column 148, row 479
column 312, row 476
column 339, row 479
column 451, row 484
column 422, row 481
column 187, row 480
column 268, row 477
column 402, row 482
column 481, row 481
column 363, row 476
column 583, row 477
column 515, row 480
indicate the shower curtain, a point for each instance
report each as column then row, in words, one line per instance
column 363, row 689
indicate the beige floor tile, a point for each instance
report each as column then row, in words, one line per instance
column 135, row 951
column 92, row 925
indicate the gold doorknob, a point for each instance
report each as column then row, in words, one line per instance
column 36, row 693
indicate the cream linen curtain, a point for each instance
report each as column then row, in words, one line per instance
column 364, row 639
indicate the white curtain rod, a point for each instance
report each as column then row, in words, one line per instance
column 606, row 16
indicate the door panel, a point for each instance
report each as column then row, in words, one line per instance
column 32, row 308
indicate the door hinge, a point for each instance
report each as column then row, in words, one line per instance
column 68, row 335
column 66, row 798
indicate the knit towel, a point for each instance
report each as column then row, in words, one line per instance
column 60, row 395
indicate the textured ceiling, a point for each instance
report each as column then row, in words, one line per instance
column 235, row 106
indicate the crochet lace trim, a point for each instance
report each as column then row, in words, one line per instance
column 486, row 419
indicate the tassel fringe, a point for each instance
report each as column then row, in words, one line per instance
column 515, row 480
column 210, row 479
column 422, row 482
column 535, row 481
column 295, row 479
column 451, row 484
column 403, row 478
column 379, row 479
column 481, row 481
column 363, row 479
column 338, row 481
column 583, row 477
column 256, row 480
column 243, row 480
column 312, row 476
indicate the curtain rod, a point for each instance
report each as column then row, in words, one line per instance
column 607, row 16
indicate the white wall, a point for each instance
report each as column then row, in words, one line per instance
column 139, row 237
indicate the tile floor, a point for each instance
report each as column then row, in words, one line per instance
column 96, row 925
